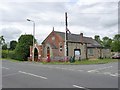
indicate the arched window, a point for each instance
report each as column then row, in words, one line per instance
column 48, row 50
column 60, row 47
column 35, row 53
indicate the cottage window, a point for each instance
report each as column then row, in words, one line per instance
column 60, row 47
column 90, row 52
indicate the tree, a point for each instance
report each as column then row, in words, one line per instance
column 116, row 43
column 106, row 42
column 13, row 45
column 22, row 49
column 4, row 47
column 97, row 38
column 2, row 40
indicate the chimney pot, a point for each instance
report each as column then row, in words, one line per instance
column 81, row 37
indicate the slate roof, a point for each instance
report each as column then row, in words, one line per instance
column 76, row 38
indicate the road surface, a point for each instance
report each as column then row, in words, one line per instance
column 36, row 75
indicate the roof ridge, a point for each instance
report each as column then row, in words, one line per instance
column 76, row 38
column 59, row 31
column 87, row 37
column 74, row 34
column 64, row 33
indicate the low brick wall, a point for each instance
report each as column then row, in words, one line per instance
column 52, row 59
column 56, row 59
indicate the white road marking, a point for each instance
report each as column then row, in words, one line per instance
column 96, row 70
column 114, row 75
column 109, row 73
column 32, row 74
column 93, row 71
column 5, row 68
column 78, row 86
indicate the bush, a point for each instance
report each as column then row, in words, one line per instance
column 11, row 55
column 8, row 54
column 4, row 53
column 22, row 49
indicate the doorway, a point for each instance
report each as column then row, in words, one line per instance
column 77, row 54
column 35, row 54
column 48, row 51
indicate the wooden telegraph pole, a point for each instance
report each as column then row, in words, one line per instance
column 66, row 36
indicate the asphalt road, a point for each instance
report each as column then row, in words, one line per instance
column 36, row 75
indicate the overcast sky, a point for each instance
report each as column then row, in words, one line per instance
column 90, row 17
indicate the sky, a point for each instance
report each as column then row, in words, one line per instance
column 90, row 17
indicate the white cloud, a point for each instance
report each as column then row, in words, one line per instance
column 22, row 1
column 88, row 16
column 10, row 33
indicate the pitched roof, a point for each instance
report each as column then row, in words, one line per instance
column 76, row 38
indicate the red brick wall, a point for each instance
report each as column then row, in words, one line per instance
column 39, row 48
column 56, row 42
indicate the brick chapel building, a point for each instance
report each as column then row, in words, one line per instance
column 78, row 45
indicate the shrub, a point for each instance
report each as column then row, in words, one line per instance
column 22, row 49
column 4, row 53
column 11, row 55
column 8, row 54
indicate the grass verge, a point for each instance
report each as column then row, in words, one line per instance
column 85, row 62
column 13, row 60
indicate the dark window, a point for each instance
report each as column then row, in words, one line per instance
column 61, row 47
column 90, row 52
column 48, row 51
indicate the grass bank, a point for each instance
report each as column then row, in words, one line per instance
column 85, row 62
column 13, row 60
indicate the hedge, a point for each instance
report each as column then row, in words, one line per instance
column 4, row 53
column 8, row 54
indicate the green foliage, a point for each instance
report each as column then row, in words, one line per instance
column 116, row 37
column 13, row 45
column 4, row 47
column 106, row 42
column 2, row 40
column 11, row 54
column 22, row 49
column 4, row 53
column 85, row 62
column 116, row 43
column 113, row 44
column 8, row 54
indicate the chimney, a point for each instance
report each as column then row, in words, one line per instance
column 81, row 37
column 53, row 29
